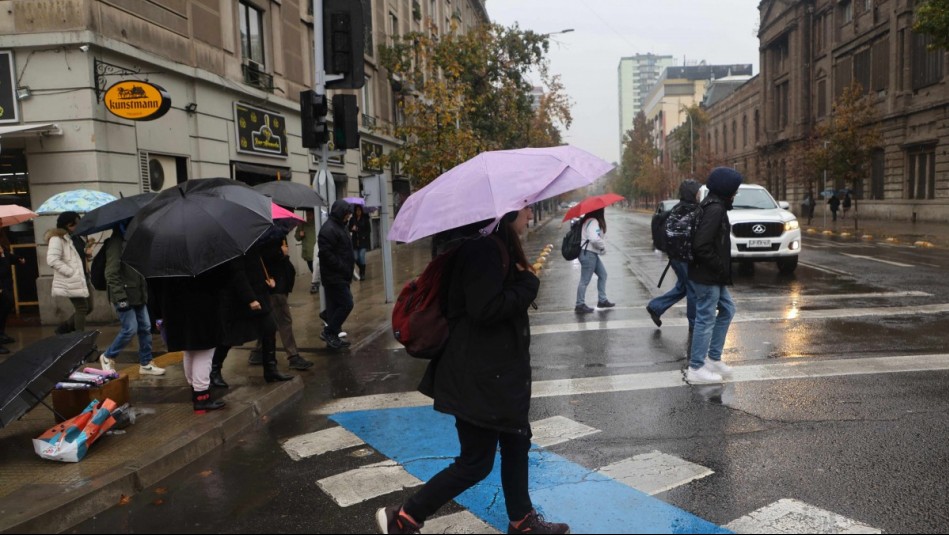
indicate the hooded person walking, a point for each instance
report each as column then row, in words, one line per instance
column 711, row 274
column 336, row 272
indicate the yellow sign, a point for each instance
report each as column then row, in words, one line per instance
column 137, row 100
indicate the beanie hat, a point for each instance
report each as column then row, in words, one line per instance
column 723, row 181
column 66, row 218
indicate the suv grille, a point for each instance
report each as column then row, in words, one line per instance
column 745, row 230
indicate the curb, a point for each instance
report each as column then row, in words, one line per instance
column 246, row 408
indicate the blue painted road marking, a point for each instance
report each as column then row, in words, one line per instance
column 424, row 442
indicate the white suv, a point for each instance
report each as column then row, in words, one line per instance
column 763, row 230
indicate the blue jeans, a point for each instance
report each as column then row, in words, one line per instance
column 683, row 288
column 134, row 320
column 710, row 328
column 590, row 263
column 360, row 256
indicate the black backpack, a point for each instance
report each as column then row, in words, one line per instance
column 679, row 230
column 571, row 246
column 97, row 269
column 659, row 231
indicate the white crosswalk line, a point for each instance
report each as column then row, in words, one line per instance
column 655, row 472
column 890, row 262
column 558, row 429
column 793, row 516
column 463, row 522
column 320, row 442
column 367, row 482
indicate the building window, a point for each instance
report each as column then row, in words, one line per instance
column 843, row 75
column 861, row 69
column 846, row 11
column 394, row 29
column 822, row 97
column 367, row 23
column 368, row 104
column 725, row 139
column 744, row 131
column 881, row 65
column 252, row 33
column 927, row 64
column 757, row 126
column 779, row 56
column 921, row 175
column 716, row 140
column 781, row 105
column 877, row 170
column 734, row 134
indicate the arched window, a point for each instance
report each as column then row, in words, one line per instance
column 744, row 130
column 734, row 134
column 725, row 139
column 756, row 126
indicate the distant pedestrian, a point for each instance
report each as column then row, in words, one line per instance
column 7, row 303
column 846, row 204
column 189, row 313
column 305, row 235
column 66, row 255
column 807, row 206
column 128, row 293
column 834, row 203
column 711, row 274
column 594, row 246
column 336, row 272
column 483, row 379
column 688, row 201
column 360, row 229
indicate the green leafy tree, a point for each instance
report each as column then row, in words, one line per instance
column 641, row 177
column 932, row 18
column 462, row 94
column 690, row 153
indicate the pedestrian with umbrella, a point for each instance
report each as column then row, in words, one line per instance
column 10, row 214
column 296, row 196
column 66, row 255
column 482, row 377
column 593, row 234
column 181, row 242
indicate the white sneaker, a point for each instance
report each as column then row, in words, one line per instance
column 108, row 365
column 342, row 334
column 151, row 369
column 702, row 376
column 719, row 367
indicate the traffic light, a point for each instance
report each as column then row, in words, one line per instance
column 344, row 43
column 313, row 119
column 345, row 122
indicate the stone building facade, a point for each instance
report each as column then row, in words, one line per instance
column 811, row 50
column 230, row 68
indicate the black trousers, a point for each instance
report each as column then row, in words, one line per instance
column 6, row 306
column 478, row 448
column 339, row 303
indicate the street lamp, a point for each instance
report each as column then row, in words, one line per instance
column 688, row 112
column 568, row 30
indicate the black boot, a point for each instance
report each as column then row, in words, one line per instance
column 217, row 380
column 203, row 403
column 271, row 373
column 362, row 272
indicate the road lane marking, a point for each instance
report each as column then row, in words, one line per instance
column 655, row 472
column 890, row 262
column 320, row 442
column 832, row 271
column 670, row 379
column 367, row 482
column 557, row 430
column 424, row 441
column 793, row 516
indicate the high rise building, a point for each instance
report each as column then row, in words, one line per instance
column 636, row 76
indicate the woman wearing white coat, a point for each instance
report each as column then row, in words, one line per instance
column 69, row 270
column 594, row 230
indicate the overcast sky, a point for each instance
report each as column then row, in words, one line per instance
column 718, row 31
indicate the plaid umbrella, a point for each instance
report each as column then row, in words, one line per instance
column 79, row 200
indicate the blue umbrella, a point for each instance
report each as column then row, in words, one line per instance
column 80, row 200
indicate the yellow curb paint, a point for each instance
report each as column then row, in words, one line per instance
column 828, row 233
column 867, row 236
column 923, row 244
column 892, row 240
column 811, row 231
column 845, row 234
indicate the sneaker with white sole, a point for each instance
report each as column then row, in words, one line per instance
column 719, row 367
column 702, row 376
column 108, row 365
column 151, row 369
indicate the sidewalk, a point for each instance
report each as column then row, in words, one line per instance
column 46, row 496
column 902, row 232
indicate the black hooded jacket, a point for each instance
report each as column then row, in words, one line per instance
column 336, row 247
column 712, row 244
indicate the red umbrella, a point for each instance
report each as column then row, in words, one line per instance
column 593, row 203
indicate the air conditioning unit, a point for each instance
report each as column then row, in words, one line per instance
column 252, row 74
column 159, row 172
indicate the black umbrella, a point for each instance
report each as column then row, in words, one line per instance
column 31, row 374
column 195, row 226
column 290, row 194
column 109, row 214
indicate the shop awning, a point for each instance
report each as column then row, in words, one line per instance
column 31, row 129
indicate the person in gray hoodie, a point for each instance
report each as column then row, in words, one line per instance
column 711, row 273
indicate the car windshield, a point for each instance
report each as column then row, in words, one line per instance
column 753, row 198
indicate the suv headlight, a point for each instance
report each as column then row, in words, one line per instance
column 791, row 225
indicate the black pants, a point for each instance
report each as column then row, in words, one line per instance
column 339, row 303
column 478, row 447
column 6, row 306
column 267, row 328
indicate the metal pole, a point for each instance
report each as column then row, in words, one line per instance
column 386, row 244
column 319, row 71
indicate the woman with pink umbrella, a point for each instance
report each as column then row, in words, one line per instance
column 594, row 245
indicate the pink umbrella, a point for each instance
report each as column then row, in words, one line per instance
column 11, row 214
column 279, row 212
column 493, row 184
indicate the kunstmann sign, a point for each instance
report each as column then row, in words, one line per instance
column 137, row 101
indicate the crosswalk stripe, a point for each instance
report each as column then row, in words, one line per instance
column 655, row 472
column 463, row 522
column 367, row 482
column 890, row 262
column 320, row 442
column 793, row 516
column 558, row 429
column 670, row 379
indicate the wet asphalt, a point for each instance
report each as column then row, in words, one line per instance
column 871, row 447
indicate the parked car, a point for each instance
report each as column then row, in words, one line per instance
column 763, row 230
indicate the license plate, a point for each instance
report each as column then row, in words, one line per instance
column 759, row 244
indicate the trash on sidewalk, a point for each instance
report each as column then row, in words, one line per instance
column 70, row 441
column 126, row 415
column 70, row 399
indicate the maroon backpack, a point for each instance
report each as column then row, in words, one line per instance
column 418, row 318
